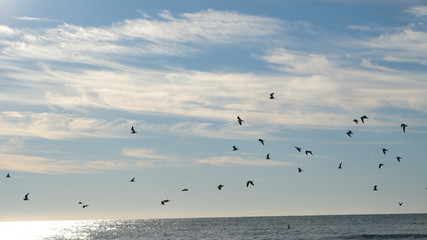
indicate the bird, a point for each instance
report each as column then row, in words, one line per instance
column 220, row 186
column 375, row 188
column 380, row 165
column 300, row 170
column 268, row 156
column 340, row 166
column 249, row 183
column 26, row 197
column 80, row 202
column 400, row 203
column 261, row 140
column 132, row 130
column 85, row 206
column 298, row 149
column 132, row 180
column 271, row 96
column 398, row 159
column 356, row 121
column 362, row 118
column 235, row 148
column 239, row 120
column 184, row 190
column 8, row 175
column 384, row 151
column 403, row 126
column 289, row 226
column 349, row 133
column 308, row 152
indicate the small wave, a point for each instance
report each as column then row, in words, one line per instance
column 400, row 236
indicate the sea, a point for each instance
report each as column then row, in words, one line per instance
column 350, row 227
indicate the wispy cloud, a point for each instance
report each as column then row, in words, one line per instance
column 419, row 11
column 36, row 19
column 232, row 160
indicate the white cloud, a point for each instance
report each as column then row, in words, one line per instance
column 146, row 153
column 36, row 19
column 369, row 64
column 419, row 11
column 232, row 160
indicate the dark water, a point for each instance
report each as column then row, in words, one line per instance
column 357, row 227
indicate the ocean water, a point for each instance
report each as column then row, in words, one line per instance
column 357, row 227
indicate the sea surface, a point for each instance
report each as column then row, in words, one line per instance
column 357, row 227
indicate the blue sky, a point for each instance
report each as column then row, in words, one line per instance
column 76, row 75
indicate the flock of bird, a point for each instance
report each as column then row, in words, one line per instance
column 262, row 141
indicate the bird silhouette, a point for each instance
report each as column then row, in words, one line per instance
column 132, row 180
column 184, row 190
column 268, row 156
column 80, row 202
column 380, row 165
column 375, row 188
column 8, row 175
column 235, row 148
column 271, row 96
column 340, row 166
column 356, row 121
column 132, row 130
column 349, row 133
column 26, row 197
column 239, row 120
column 220, row 186
column 362, row 118
column 400, row 203
column 165, row 201
column 249, row 183
column 300, row 170
column 398, row 159
column 85, row 206
column 261, row 140
column 403, row 126
column 298, row 149
column 308, row 152
column 384, row 151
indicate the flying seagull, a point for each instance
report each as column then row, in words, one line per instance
column 239, row 120
column 268, row 156
column 26, row 197
column 356, row 121
column 400, row 203
column 8, row 175
column 184, row 190
column 271, row 96
column 132, row 130
column 132, row 180
column 398, row 159
column 235, row 148
column 349, row 133
column 300, row 170
column 298, row 149
column 249, row 183
column 308, row 152
column 220, row 186
column 80, row 202
column 340, row 166
column 261, row 140
column 375, row 188
column 384, row 151
column 380, row 165
column 403, row 126
column 165, row 201
column 362, row 118
column 85, row 206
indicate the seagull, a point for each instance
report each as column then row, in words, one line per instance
column 300, row 170
column 249, row 183
column 385, row 151
column 356, row 121
column 349, row 133
column 261, row 140
column 403, row 126
column 26, row 197
column 400, row 203
column 239, row 120
column 340, row 166
column 85, row 206
column 363, row 118
column 375, row 188
column 165, row 201
column 132, row 130
column 271, row 96
column 308, row 152
column 184, row 190
column 398, row 159
column 220, row 186
column 235, row 148
column 132, row 180
column 268, row 156
column 8, row 175
column 80, row 202
column 380, row 165
column 298, row 149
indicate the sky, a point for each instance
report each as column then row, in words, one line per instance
column 76, row 75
